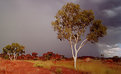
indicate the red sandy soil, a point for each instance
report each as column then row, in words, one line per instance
column 20, row 67
column 23, row 67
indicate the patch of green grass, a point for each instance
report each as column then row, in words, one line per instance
column 97, row 67
column 44, row 64
column 58, row 71
column 67, row 64
column 38, row 65
column 94, row 66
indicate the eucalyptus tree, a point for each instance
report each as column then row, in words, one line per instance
column 77, row 25
column 13, row 50
column 7, row 50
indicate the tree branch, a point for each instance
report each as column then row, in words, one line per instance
column 70, row 41
column 76, row 38
column 76, row 41
column 82, row 44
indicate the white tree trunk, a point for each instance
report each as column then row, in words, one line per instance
column 9, row 56
column 74, row 48
column 75, row 62
column 75, row 59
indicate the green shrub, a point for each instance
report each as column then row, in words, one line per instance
column 58, row 71
column 6, row 57
column 38, row 65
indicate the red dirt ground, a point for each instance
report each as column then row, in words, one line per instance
column 22, row 67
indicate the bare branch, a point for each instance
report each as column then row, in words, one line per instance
column 70, row 41
column 82, row 44
column 76, row 41
column 75, row 47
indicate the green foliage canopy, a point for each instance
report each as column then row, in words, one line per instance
column 14, row 48
column 72, row 21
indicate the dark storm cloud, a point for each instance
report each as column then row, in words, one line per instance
column 109, row 11
column 109, row 4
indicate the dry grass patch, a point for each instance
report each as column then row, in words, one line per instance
column 94, row 66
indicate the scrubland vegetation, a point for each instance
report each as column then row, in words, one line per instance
column 90, row 67
column 15, row 61
column 51, row 64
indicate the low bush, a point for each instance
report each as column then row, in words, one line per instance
column 38, row 65
column 58, row 71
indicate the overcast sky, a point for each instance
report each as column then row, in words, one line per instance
column 28, row 22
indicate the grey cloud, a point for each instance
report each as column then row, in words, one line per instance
column 110, row 13
column 107, row 10
column 113, row 36
column 109, row 4
column 113, row 12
